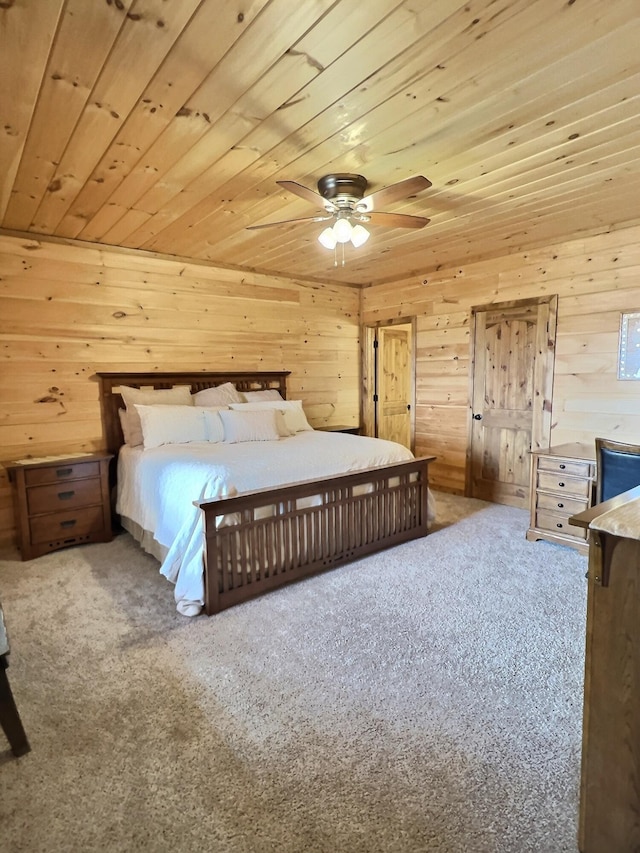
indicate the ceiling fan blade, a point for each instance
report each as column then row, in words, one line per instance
column 396, row 220
column 290, row 222
column 395, row 192
column 307, row 194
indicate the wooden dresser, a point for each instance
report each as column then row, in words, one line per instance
column 562, row 485
column 609, row 791
column 60, row 501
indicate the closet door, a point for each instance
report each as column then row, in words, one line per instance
column 395, row 391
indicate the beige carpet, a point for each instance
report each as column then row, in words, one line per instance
column 428, row 698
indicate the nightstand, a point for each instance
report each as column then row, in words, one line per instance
column 352, row 430
column 562, row 482
column 60, row 501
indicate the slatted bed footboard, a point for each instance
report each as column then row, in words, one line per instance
column 262, row 540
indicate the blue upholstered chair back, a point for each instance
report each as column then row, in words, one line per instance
column 618, row 468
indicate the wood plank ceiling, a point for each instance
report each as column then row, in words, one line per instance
column 164, row 125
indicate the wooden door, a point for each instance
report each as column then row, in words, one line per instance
column 395, row 383
column 511, row 386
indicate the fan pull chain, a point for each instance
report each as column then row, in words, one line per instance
column 335, row 255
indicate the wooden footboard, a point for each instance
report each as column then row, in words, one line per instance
column 265, row 539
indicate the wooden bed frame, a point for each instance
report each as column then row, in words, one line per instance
column 281, row 535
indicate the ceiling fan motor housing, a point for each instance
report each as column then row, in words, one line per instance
column 342, row 187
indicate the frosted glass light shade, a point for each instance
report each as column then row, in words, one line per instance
column 342, row 230
column 359, row 236
column 328, row 239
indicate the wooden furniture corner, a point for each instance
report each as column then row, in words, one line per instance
column 611, row 723
column 9, row 717
column 351, row 430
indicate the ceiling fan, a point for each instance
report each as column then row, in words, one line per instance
column 342, row 199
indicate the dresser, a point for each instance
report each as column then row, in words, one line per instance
column 60, row 501
column 562, row 485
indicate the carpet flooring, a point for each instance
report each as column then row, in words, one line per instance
column 428, row 698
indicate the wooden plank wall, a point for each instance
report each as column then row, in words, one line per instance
column 595, row 278
column 69, row 311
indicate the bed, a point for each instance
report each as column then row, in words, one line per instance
column 229, row 522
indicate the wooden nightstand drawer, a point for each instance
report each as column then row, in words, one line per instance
column 61, row 473
column 64, row 496
column 572, row 486
column 67, row 525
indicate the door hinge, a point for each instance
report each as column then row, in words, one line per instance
column 375, row 398
column 375, row 343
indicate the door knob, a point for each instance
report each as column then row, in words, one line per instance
column 477, row 417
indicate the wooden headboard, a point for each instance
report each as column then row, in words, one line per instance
column 111, row 399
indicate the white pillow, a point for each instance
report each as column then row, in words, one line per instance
column 267, row 406
column 221, row 395
column 267, row 394
column 213, row 423
column 171, row 425
column 131, row 427
column 249, row 426
column 179, row 395
column 294, row 416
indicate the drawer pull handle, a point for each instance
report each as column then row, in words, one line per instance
column 561, row 485
column 559, row 524
column 560, row 506
column 65, row 496
column 67, row 524
column 63, row 472
column 562, row 466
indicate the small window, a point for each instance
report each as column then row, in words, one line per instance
column 629, row 346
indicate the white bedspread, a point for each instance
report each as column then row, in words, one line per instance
column 157, row 487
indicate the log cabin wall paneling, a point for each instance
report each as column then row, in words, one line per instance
column 69, row 311
column 595, row 278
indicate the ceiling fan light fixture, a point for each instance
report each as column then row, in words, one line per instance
column 342, row 230
column 359, row 236
column 327, row 238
